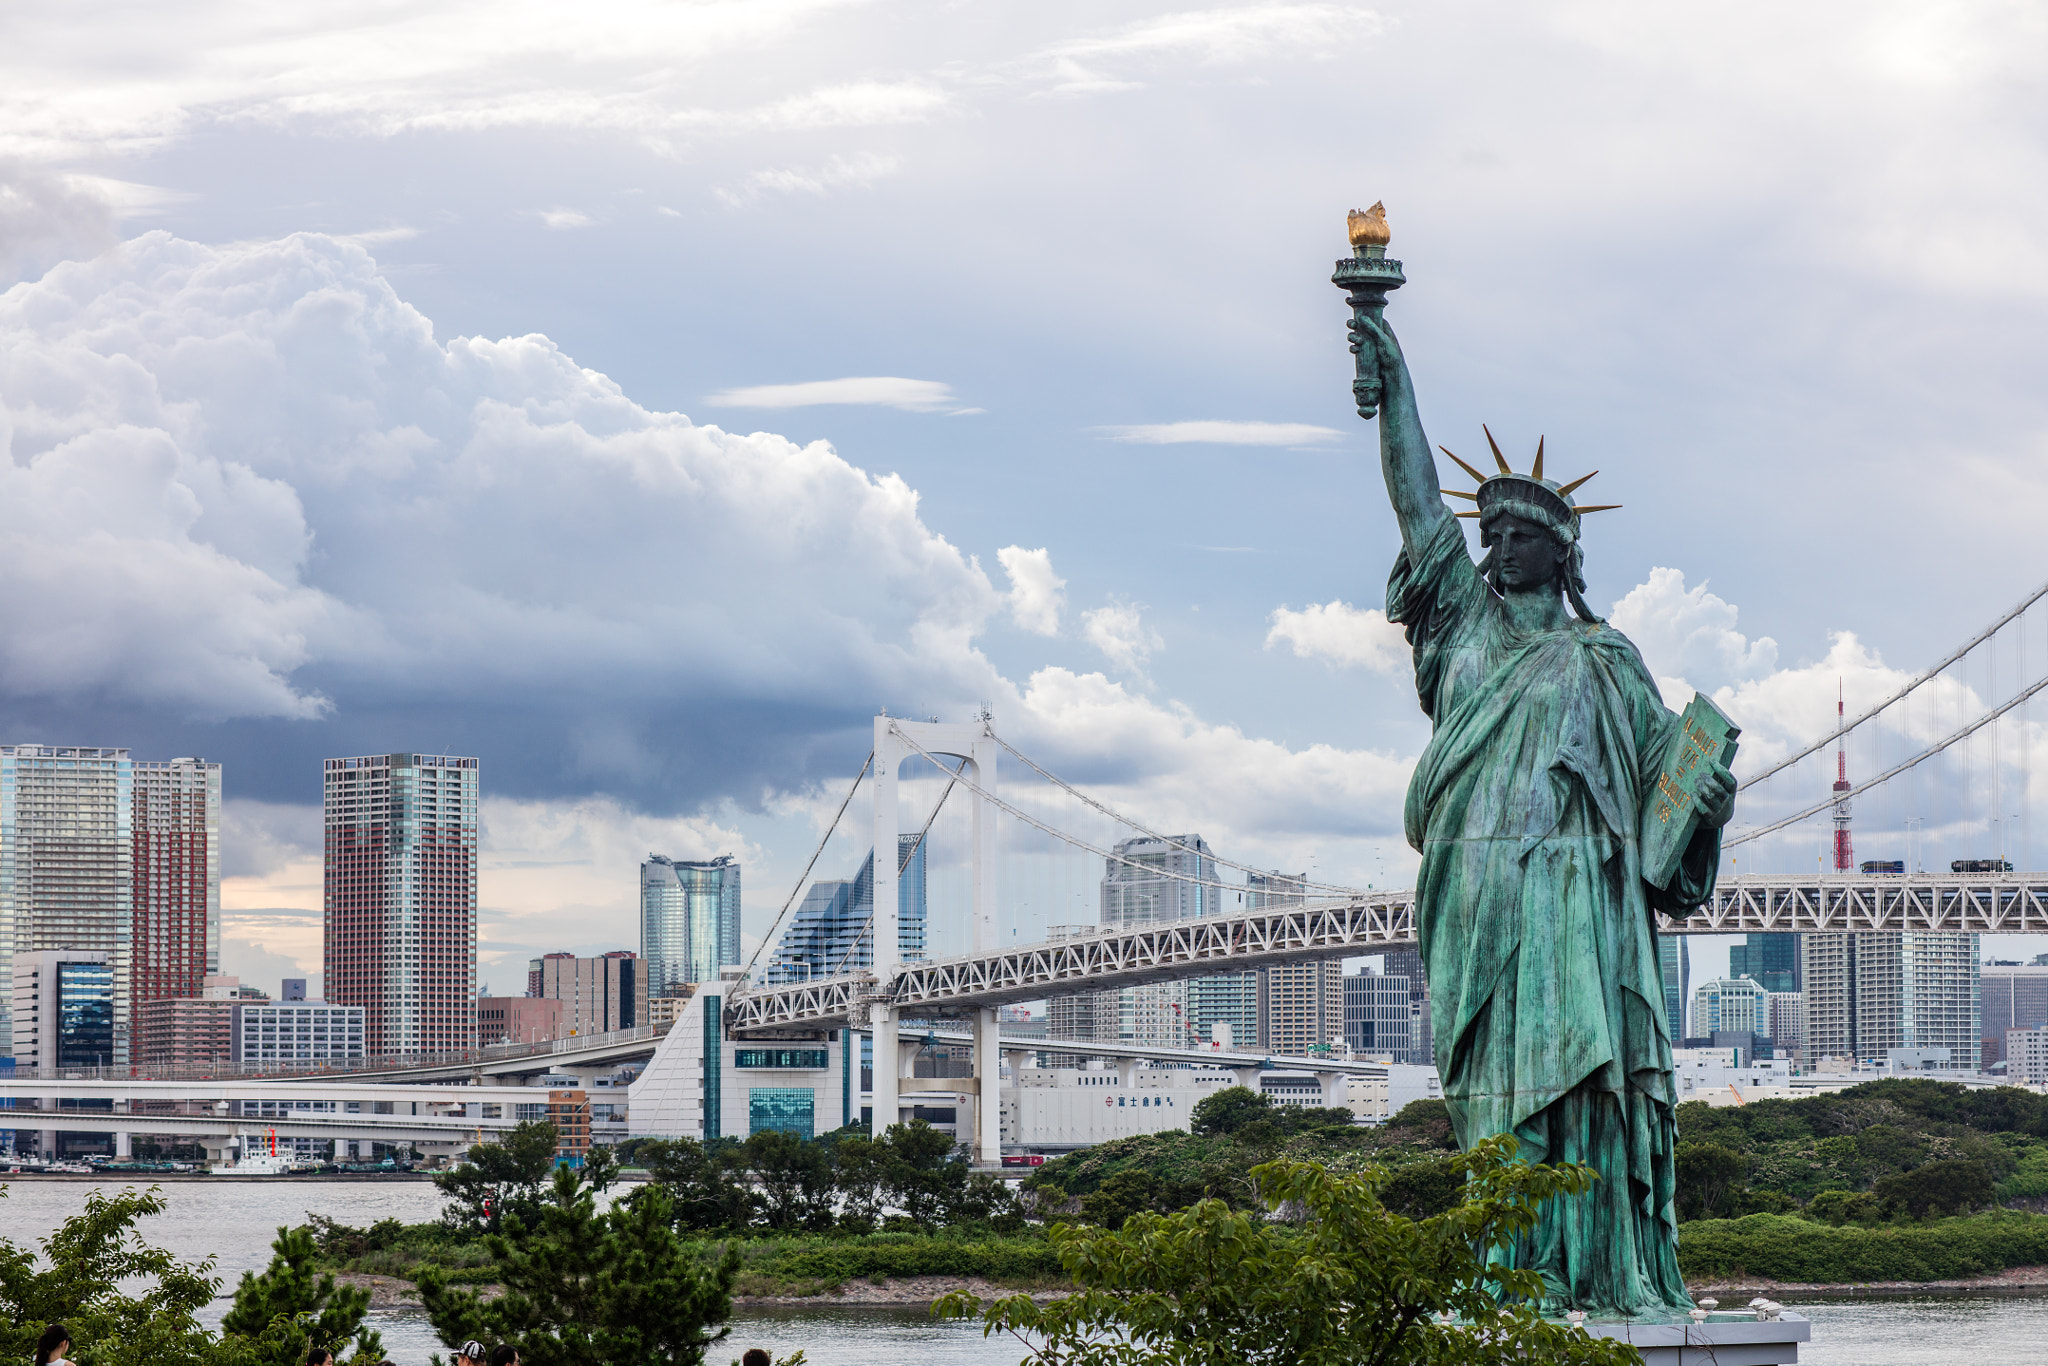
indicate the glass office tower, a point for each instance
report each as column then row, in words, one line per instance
column 689, row 920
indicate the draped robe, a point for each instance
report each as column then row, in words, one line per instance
column 1535, row 923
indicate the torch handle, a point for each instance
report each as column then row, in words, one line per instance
column 1366, row 281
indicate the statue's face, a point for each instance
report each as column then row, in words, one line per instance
column 1525, row 555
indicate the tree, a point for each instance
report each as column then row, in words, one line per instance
column 89, row 1260
column 1229, row 1110
column 1951, row 1187
column 1353, row 1282
column 502, row 1179
column 1706, row 1173
column 583, row 1287
column 305, row 1310
column 924, row 1172
column 1420, row 1189
column 699, row 1181
column 795, row 1178
column 861, row 1169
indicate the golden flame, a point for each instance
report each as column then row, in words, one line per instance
column 1369, row 227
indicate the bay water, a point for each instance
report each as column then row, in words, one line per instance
column 233, row 1222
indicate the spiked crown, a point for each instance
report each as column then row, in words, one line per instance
column 1528, row 496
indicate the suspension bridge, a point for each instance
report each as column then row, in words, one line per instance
column 1948, row 751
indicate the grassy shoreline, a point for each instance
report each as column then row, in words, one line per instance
column 1759, row 1249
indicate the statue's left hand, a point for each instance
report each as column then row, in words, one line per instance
column 1717, row 796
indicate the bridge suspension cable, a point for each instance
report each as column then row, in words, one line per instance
column 868, row 927
column 1155, row 870
column 1923, row 677
column 803, row 877
column 1893, row 772
column 1143, row 829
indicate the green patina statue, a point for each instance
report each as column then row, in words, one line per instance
column 1531, row 808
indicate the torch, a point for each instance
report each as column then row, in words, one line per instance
column 1366, row 279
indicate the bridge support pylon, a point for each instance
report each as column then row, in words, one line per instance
column 887, row 1094
column 988, row 1104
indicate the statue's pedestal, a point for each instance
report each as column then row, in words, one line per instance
column 1725, row 1339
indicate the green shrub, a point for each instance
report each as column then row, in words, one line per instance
column 1789, row 1249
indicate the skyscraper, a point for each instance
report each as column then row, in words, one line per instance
column 1376, row 1014
column 1772, row 959
column 1674, row 965
column 1867, row 994
column 175, row 940
column 1407, row 964
column 401, row 898
column 689, row 920
column 829, row 934
column 66, row 862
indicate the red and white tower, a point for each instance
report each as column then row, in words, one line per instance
column 1845, row 854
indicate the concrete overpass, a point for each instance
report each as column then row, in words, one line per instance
column 431, row 1118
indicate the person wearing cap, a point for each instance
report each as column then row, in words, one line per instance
column 472, row 1353
column 1532, row 912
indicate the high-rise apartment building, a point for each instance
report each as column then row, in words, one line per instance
column 1867, row 994
column 830, row 934
column 66, row 856
column 2012, row 997
column 1771, row 959
column 1151, row 881
column 1788, row 1027
column 1301, row 1007
column 597, row 994
column 689, row 920
column 400, row 898
column 175, row 939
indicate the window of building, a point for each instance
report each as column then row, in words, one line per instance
column 792, row 1109
column 786, row 1058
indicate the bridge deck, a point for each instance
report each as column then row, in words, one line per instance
column 2012, row 903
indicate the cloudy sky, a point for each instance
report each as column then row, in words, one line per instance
column 639, row 396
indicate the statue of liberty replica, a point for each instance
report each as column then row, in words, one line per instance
column 1559, row 806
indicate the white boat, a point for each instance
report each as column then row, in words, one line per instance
column 259, row 1157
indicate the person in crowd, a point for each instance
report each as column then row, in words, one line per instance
column 506, row 1355
column 319, row 1356
column 471, row 1353
column 755, row 1356
column 53, row 1348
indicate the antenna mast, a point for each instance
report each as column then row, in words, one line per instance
column 1845, row 857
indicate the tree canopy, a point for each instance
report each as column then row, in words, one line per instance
column 1350, row 1282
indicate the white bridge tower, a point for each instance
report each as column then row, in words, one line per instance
column 972, row 746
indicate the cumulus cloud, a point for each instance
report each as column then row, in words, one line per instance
column 1036, row 592
column 1120, row 632
column 46, row 216
column 881, row 391
column 1341, row 633
column 248, row 481
column 1688, row 636
column 1223, row 433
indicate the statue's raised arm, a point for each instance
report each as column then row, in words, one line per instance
column 1405, row 460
